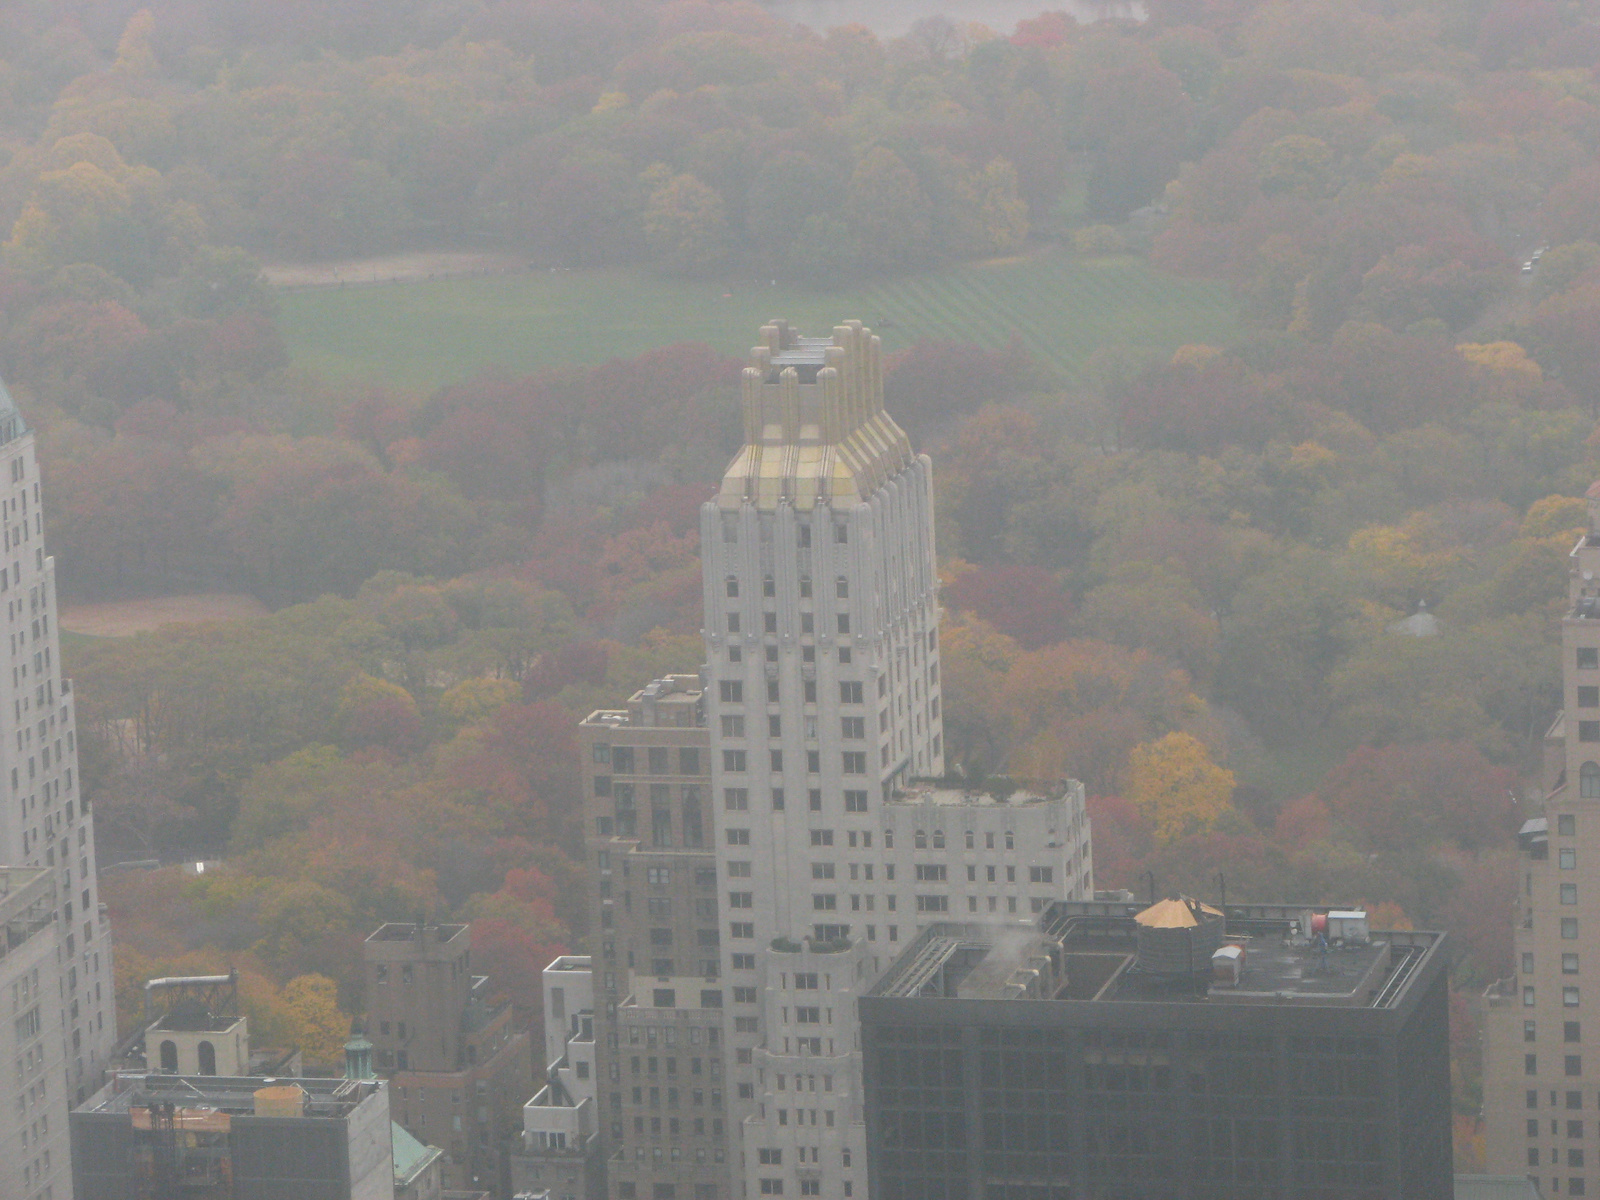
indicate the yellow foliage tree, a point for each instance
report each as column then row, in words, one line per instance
column 313, row 1019
column 1554, row 514
column 1507, row 358
column 1175, row 785
column 475, row 698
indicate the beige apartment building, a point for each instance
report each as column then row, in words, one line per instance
column 658, row 996
column 458, row 1067
column 1541, row 1086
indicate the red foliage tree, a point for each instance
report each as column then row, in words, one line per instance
column 1020, row 601
column 1408, row 796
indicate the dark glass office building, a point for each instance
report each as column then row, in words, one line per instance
column 1118, row 1053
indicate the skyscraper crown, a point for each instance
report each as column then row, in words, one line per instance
column 815, row 430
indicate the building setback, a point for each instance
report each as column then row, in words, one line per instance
column 44, row 821
column 459, row 1068
column 1087, row 1061
column 1541, row 1058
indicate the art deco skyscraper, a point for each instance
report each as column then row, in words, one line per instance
column 823, row 710
column 1541, row 1047
column 44, row 820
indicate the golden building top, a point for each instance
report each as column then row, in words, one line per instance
column 815, row 431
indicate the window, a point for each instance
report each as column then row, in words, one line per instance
column 850, row 692
column 733, row 622
column 1589, row 697
column 1040, row 874
column 744, row 995
column 933, row 903
column 733, row 760
column 855, row 762
column 807, row 1015
column 1567, row 825
column 1527, row 997
column 855, row 801
column 1571, row 1031
column 853, row 728
column 774, row 726
column 1588, row 657
column 1569, row 893
column 813, row 762
column 732, row 726
column 688, row 762
column 738, row 837
column 1569, row 997
column 822, row 837
column 775, row 760
column 1589, row 731
column 824, row 902
column 805, row 580
column 742, row 929
column 1568, row 858
column 1569, row 964
column 770, row 1158
column 822, row 870
column 807, row 623
column 844, row 622
column 1572, row 1065
column 805, row 981
column 732, row 587
column 735, row 799
column 773, row 1187
column 1530, row 1064
column 841, row 533
column 1527, row 963
column 769, row 588
column 1569, row 929
column 730, row 691
column 1529, row 1032
column 741, row 899
column 769, row 622
column 804, row 534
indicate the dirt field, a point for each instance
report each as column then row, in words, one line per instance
column 120, row 618
column 393, row 268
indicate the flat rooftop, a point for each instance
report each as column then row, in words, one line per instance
column 1088, row 952
column 330, row 1099
column 942, row 792
column 406, row 931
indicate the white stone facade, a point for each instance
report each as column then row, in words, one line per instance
column 823, row 706
column 34, row 1103
column 43, row 820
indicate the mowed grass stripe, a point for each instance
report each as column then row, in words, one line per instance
column 425, row 334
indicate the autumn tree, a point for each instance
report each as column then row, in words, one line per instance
column 1176, row 787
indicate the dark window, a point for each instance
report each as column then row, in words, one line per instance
column 1589, row 696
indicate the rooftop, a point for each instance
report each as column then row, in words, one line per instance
column 1095, row 952
column 672, row 702
column 998, row 792
column 408, row 931
column 233, row 1096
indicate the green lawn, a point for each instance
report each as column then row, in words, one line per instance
column 422, row 335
